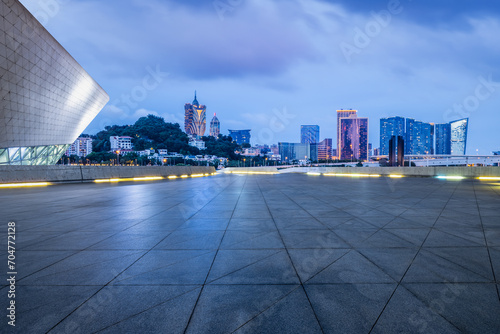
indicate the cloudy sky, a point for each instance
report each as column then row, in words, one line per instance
column 272, row 65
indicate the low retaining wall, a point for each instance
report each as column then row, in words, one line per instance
column 60, row 173
column 407, row 171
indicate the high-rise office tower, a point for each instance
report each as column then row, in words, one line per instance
column 240, row 136
column 443, row 138
column 459, row 136
column 325, row 149
column 419, row 137
column 391, row 126
column 215, row 127
column 342, row 113
column 195, row 121
column 353, row 138
column 309, row 134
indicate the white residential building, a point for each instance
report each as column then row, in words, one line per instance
column 120, row 143
column 81, row 147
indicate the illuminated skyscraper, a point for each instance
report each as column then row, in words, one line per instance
column 353, row 138
column 325, row 149
column 459, row 136
column 391, row 126
column 309, row 134
column 419, row 137
column 443, row 138
column 215, row 127
column 342, row 113
column 195, row 121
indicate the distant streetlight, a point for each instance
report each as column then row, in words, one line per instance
column 118, row 157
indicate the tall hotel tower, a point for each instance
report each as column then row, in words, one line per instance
column 341, row 114
column 215, row 127
column 353, row 138
column 195, row 120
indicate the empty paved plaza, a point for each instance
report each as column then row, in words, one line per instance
column 256, row 254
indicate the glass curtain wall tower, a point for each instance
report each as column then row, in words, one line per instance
column 391, row 126
column 309, row 134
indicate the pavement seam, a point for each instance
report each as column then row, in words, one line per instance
column 291, row 261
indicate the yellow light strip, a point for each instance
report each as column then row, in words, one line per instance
column 396, row 176
column 313, row 173
column 148, row 178
column 353, row 175
column 24, row 185
column 184, row 176
column 242, row 172
column 172, row 177
column 197, row 175
column 489, row 178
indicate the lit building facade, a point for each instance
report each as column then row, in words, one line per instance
column 325, row 149
column 342, row 114
column 309, row 134
column 47, row 99
column 81, row 147
column 353, row 138
column 391, row 126
column 443, row 138
column 215, row 127
column 459, row 131
column 120, row 143
column 240, row 136
column 419, row 138
column 195, row 118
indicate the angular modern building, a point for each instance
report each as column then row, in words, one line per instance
column 391, row 126
column 240, row 136
column 215, row 127
column 309, row 134
column 353, row 138
column 46, row 98
column 459, row 130
column 195, row 118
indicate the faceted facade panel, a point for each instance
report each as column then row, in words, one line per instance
column 46, row 98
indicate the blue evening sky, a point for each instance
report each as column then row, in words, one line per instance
column 272, row 65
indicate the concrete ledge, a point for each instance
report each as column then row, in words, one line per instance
column 470, row 172
column 59, row 173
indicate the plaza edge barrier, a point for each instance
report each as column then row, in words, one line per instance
column 60, row 173
column 467, row 172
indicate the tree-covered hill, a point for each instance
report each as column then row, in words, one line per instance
column 153, row 132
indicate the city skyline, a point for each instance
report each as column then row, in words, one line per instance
column 413, row 65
